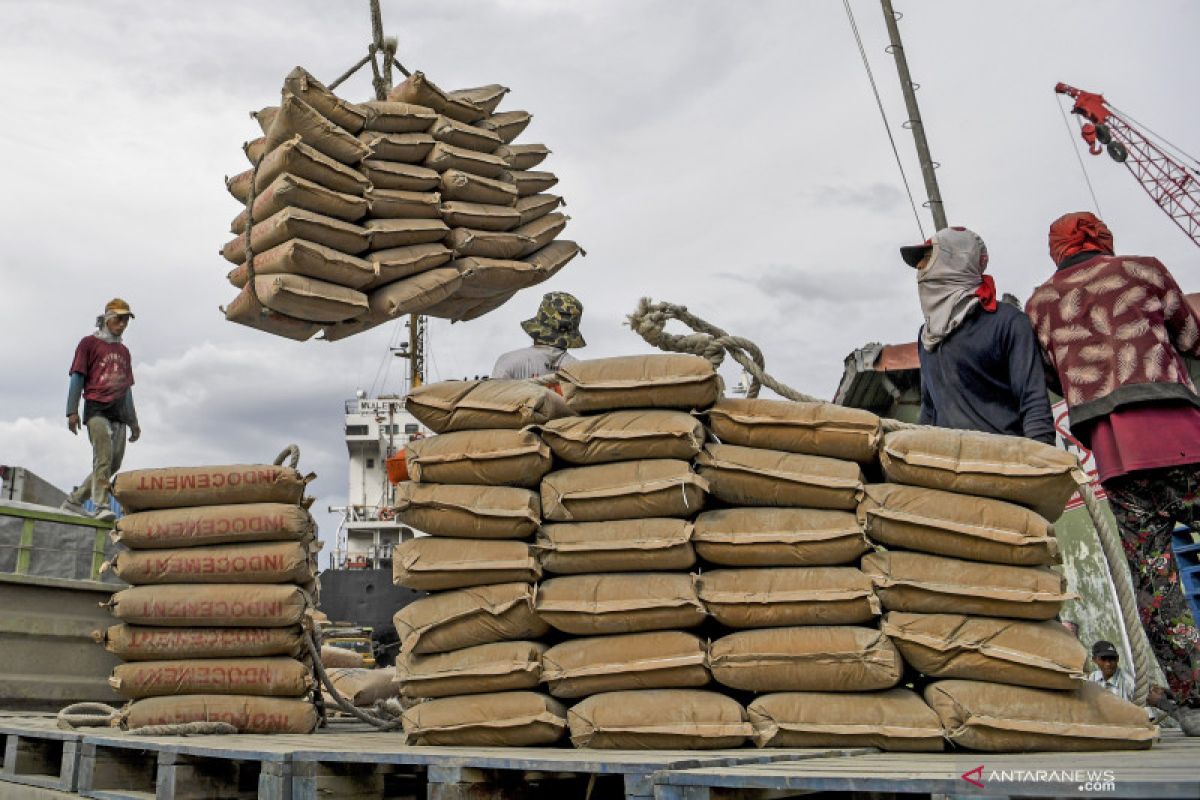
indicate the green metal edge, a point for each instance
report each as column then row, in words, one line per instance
column 25, row 548
column 50, row 516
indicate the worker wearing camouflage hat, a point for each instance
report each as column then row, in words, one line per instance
column 554, row 330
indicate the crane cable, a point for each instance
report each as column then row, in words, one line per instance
column 1079, row 158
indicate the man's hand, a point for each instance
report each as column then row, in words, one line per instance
column 135, row 433
column 73, row 423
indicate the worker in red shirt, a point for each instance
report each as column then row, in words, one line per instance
column 1113, row 331
column 102, row 372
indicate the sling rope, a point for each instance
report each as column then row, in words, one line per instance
column 649, row 321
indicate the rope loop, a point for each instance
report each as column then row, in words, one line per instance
column 291, row 453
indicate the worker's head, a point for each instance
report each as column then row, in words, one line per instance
column 1079, row 232
column 557, row 321
column 1106, row 657
column 949, row 264
column 116, row 316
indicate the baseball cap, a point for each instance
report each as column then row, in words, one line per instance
column 913, row 253
column 119, row 307
column 1104, row 649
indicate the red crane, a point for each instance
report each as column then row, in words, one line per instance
column 1172, row 185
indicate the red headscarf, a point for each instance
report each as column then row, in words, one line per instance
column 1079, row 232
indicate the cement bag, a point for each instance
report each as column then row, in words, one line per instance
column 397, row 263
column 553, row 257
column 927, row 584
column 340, row 657
column 394, row 117
column 747, row 476
column 1043, row 655
column 389, row 233
column 594, row 605
column 480, row 405
column 296, row 223
column 659, row 487
column 466, row 242
column 809, row 659
column 484, row 278
column 247, row 714
column 632, row 545
column 264, row 117
column 298, row 118
column 259, row 562
column 778, row 537
column 508, row 125
column 523, row 156
column 183, row 487
column 486, row 98
column 234, row 605
column 309, row 298
column 947, row 524
column 787, row 596
column 1010, row 468
column 362, row 687
column 291, row 191
column 304, row 86
column 536, row 206
column 482, row 458
column 446, row 157
column 312, row 260
column 1010, row 719
column 469, row 512
column 140, row 643
column 467, row 617
column 480, row 216
column 296, row 158
column 468, row 187
column 498, row 667
column 817, row 429
column 896, row 721
column 405, row 148
column 270, row 677
column 530, row 182
column 257, row 148
column 542, row 230
column 402, row 177
column 419, row 90
column 624, row 436
column 656, row 660
column 477, row 308
column 414, row 294
column 246, row 310
column 431, row 564
column 460, row 134
column 209, row 525
column 659, row 719
column 683, row 382
column 397, row 204
column 501, row 719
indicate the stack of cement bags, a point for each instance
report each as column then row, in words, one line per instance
column 222, row 563
column 469, row 661
column 367, row 212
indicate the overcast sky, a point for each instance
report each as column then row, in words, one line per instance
column 727, row 156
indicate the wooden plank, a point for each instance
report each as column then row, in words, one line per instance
column 32, row 760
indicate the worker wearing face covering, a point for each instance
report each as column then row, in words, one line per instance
column 980, row 365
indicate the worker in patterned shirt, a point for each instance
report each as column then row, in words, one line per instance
column 1113, row 332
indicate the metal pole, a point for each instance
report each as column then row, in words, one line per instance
column 936, row 207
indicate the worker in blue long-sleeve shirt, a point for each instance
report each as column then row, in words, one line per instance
column 981, row 368
column 102, row 373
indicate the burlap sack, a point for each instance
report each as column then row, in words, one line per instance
column 397, row 204
column 182, row 487
column 259, row 562
column 362, row 687
column 927, row 584
column 309, row 298
column 388, row 116
column 542, row 230
column 808, row 659
column 469, row 512
column 405, row 148
column 553, row 257
column 656, row 660
column 778, row 537
column 471, row 188
column 238, row 523
column 625, row 436
column 460, row 134
column 1011, row 468
column 419, row 90
column 140, row 643
column 466, row 617
column 659, row 487
column 787, row 596
column 896, row 720
column 480, row 405
column 595, row 605
column 682, row 382
column 818, row 429
column 530, row 182
column 246, row 310
column 1043, row 655
column 947, row 524
column 298, row 257
column 500, row 719
column 486, row 98
column 523, row 156
column 748, row 476
column 397, row 263
column 347, row 115
column 1014, row 719
column 340, row 657
column 659, row 719
column 536, row 205
column 491, row 277
column 481, row 458
column 498, row 667
column 508, row 125
column 480, row 216
column 400, row 177
column 391, row 233
column 487, row 244
column 296, row 158
column 247, row 714
column 433, row 564
column 292, row 191
column 270, row 677
column 235, row 605
column 633, row 545
column 298, row 118
column 446, row 156
column 296, row 223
